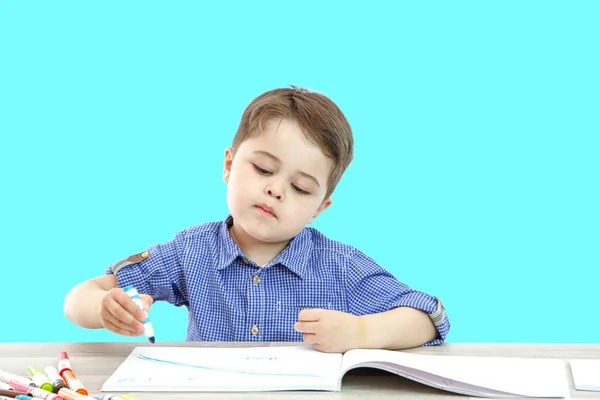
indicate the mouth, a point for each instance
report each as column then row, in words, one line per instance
column 265, row 209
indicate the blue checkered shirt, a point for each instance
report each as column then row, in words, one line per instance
column 230, row 298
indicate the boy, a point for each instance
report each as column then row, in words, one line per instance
column 261, row 274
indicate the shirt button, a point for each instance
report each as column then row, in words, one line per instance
column 256, row 279
column 254, row 330
column 245, row 261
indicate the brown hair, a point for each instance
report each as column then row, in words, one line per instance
column 319, row 118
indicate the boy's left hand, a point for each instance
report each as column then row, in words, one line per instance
column 329, row 331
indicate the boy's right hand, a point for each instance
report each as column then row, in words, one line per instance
column 120, row 314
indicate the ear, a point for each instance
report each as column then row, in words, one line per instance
column 321, row 208
column 227, row 164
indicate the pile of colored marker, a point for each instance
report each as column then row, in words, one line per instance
column 51, row 384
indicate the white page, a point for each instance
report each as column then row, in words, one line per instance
column 445, row 384
column 586, row 374
column 226, row 369
column 521, row 376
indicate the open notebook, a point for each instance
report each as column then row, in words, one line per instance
column 586, row 374
column 200, row 369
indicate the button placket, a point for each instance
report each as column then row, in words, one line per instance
column 256, row 305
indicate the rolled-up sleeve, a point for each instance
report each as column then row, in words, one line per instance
column 372, row 289
column 159, row 274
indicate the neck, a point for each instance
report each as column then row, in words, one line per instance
column 259, row 252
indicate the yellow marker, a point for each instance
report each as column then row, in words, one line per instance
column 125, row 397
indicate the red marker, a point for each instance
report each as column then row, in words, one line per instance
column 64, row 362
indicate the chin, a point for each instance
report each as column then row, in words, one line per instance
column 266, row 232
column 269, row 235
column 267, row 238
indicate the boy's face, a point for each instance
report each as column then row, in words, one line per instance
column 276, row 183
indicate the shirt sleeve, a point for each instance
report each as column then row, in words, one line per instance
column 371, row 289
column 159, row 274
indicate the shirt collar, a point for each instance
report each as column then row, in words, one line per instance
column 294, row 257
column 296, row 254
column 230, row 251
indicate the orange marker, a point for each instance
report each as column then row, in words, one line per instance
column 69, row 394
column 66, row 372
column 73, row 382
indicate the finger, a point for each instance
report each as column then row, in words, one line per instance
column 310, row 314
column 116, row 329
column 115, row 309
column 147, row 301
column 136, row 328
column 322, row 348
column 306, row 327
column 310, row 338
column 130, row 306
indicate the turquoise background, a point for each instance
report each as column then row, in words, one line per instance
column 476, row 172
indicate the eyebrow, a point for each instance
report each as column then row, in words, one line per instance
column 277, row 160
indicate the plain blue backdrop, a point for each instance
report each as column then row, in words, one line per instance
column 477, row 129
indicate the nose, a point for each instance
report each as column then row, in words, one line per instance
column 274, row 191
column 273, row 194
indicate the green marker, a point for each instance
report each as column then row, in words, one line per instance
column 39, row 378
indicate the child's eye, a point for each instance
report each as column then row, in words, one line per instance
column 298, row 190
column 261, row 171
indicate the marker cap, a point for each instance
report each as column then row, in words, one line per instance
column 74, row 383
column 47, row 386
column 63, row 362
column 68, row 394
column 39, row 378
column 33, row 370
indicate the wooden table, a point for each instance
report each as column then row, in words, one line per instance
column 95, row 362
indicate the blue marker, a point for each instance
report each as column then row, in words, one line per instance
column 148, row 330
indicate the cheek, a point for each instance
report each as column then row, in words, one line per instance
column 241, row 181
column 304, row 208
